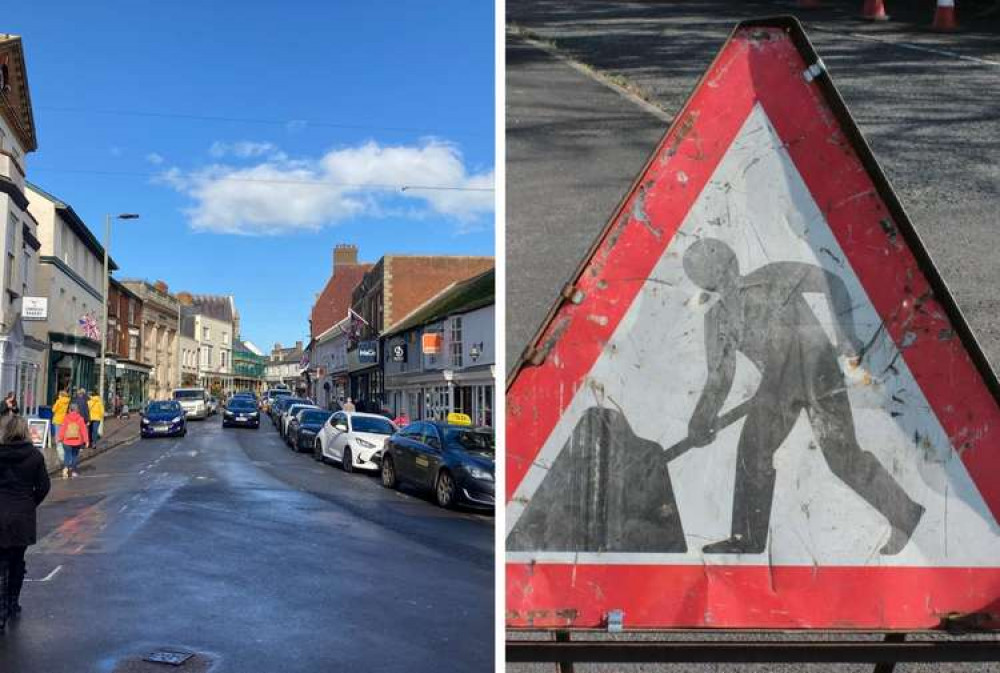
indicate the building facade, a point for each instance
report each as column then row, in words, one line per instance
column 188, row 356
column 214, row 323
column 441, row 358
column 22, row 354
column 70, row 276
column 392, row 289
column 328, row 325
column 286, row 366
column 125, row 373
column 160, row 337
column 249, row 366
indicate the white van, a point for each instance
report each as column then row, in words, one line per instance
column 194, row 402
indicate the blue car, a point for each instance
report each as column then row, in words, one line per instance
column 455, row 462
column 163, row 419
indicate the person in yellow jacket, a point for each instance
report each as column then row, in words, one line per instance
column 95, row 405
column 59, row 409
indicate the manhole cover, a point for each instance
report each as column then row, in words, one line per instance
column 172, row 657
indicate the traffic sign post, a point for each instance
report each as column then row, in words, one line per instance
column 756, row 404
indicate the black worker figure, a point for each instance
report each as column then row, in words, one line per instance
column 764, row 315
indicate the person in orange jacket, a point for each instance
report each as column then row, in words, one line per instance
column 74, row 436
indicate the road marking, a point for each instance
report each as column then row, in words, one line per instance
column 908, row 45
column 47, row 577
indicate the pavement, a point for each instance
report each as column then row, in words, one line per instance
column 227, row 544
column 117, row 432
column 593, row 85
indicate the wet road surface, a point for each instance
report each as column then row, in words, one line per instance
column 228, row 544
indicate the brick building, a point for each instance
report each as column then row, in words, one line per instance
column 160, row 337
column 125, row 373
column 392, row 289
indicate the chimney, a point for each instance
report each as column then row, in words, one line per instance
column 161, row 286
column 344, row 254
column 298, row 345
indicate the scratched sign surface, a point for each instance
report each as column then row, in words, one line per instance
column 757, row 406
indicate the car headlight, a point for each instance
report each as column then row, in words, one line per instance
column 252, row 413
column 479, row 473
column 178, row 419
column 365, row 443
column 145, row 421
column 229, row 413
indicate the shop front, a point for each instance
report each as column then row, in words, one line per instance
column 131, row 383
column 365, row 374
column 73, row 364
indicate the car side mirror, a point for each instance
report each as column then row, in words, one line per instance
column 341, row 427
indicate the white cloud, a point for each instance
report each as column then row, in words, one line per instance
column 154, row 158
column 244, row 149
column 279, row 195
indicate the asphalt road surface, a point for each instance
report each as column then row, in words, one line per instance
column 592, row 86
column 227, row 544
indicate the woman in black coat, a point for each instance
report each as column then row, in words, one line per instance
column 24, row 483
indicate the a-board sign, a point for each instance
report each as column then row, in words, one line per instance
column 756, row 404
column 39, row 428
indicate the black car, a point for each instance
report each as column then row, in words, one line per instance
column 282, row 403
column 163, row 419
column 457, row 462
column 303, row 428
column 241, row 411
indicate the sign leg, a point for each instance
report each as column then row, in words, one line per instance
column 889, row 666
column 563, row 666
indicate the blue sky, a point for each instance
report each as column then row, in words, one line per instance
column 254, row 136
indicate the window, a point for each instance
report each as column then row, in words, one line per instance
column 456, row 342
column 10, row 268
column 131, row 311
column 25, row 274
column 225, row 337
column 206, row 335
column 133, row 347
column 206, row 356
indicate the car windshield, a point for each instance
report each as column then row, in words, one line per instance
column 274, row 394
column 376, row 426
column 242, row 404
column 163, row 407
column 296, row 408
column 189, row 394
column 313, row 417
column 469, row 439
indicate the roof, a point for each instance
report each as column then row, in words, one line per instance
column 287, row 355
column 74, row 222
column 219, row 307
column 332, row 303
column 18, row 105
column 459, row 297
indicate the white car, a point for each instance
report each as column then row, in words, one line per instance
column 352, row 439
column 287, row 414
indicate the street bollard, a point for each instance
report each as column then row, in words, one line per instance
column 944, row 17
column 874, row 10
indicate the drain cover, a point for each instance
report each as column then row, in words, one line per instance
column 172, row 657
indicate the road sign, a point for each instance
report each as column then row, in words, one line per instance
column 756, row 405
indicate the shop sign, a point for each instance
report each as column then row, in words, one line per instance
column 431, row 343
column 399, row 352
column 35, row 308
column 368, row 352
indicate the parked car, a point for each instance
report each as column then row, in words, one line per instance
column 352, row 439
column 456, row 462
column 288, row 412
column 194, row 401
column 241, row 411
column 281, row 404
column 163, row 419
column 303, row 428
column 270, row 396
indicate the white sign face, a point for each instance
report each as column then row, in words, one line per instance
column 822, row 512
column 35, row 308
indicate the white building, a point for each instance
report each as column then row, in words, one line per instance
column 71, row 277
column 215, row 324
column 328, row 365
column 21, row 354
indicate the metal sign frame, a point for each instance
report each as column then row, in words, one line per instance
column 536, row 353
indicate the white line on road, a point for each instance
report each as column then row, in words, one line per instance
column 907, row 45
column 47, row 577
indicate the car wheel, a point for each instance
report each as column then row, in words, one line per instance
column 318, row 451
column 347, row 462
column 444, row 491
column 389, row 473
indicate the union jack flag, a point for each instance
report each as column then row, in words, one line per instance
column 355, row 322
column 88, row 325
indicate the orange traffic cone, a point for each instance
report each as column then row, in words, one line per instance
column 944, row 17
column 874, row 10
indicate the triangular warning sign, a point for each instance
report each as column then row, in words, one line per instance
column 757, row 406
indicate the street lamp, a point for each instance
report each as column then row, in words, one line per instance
column 104, row 325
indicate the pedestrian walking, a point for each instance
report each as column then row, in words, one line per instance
column 59, row 409
column 24, row 483
column 117, row 405
column 95, row 405
column 349, row 405
column 74, row 437
column 9, row 405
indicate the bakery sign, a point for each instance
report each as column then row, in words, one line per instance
column 35, row 308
